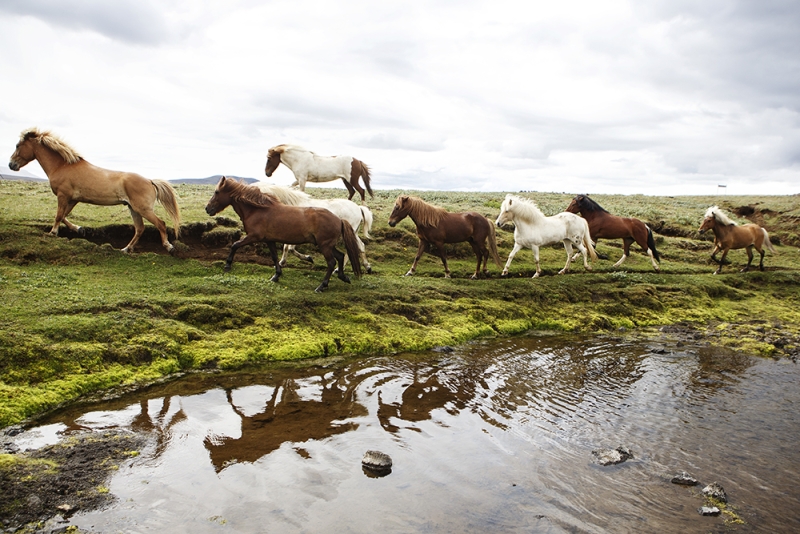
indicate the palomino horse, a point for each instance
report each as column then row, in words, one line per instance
column 606, row 226
column 347, row 210
column 308, row 167
column 436, row 226
column 266, row 219
column 730, row 235
column 533, row 229
column 74, row 180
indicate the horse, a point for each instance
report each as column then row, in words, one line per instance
column 73, row 180
column 267, row 219
column 729, row 235
column 310, row 167
column 346, row 210
column 436, row 226
column 604, row 225
column 533, row 229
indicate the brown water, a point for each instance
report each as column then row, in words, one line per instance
column 490, row 438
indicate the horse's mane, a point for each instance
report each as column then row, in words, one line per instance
column 529, row 209
column 589, row 204
column 52, row 142
column 717, row 214
column 280, row 149
column 286, row 195
column 424, row 213
column 250, row 194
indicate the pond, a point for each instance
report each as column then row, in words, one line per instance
column 491, row 437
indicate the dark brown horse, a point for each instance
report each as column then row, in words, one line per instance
column 266, row 219
column 730, row 235
column 436, row 226
column 603, row 225
column 74, row 180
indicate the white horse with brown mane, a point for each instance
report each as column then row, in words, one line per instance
column 74, row 180
column 347, row 210
column 309, row 167
column 533, row 229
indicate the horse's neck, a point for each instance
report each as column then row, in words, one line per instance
column 48, row 158
column 530, row 215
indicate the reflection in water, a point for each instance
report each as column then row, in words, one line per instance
column 492, row 437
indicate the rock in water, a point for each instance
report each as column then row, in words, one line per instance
column 684, row 479
column 612, row 456
column 715, row 491
column 708, row 510
column 377, row 463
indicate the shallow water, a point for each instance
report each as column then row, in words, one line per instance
column 489, row 438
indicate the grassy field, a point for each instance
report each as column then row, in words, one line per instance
column 80, row 317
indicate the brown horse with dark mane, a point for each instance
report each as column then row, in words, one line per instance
column 74, row 180
column 266, row 219
column 436, row 226
column 603, row 225
column 730, row 235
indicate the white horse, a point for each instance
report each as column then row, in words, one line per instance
column 347, row 210
column 533, row 229
column 308, row 167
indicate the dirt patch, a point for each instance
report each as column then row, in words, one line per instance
column 61, row 479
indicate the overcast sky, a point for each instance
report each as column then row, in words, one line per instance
column 666, row 97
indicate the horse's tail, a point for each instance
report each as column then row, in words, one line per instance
column 651, row 244
column 365, row 176
column 167, row 197
column 768, row 242
column 351, row 245
column 493, row 244
column 366, row 217
column 587, row 240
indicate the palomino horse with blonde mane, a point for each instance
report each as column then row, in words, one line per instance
column 74, row 180
column 730, row 235
column 603, row 225
column 266, row 219
column 436, row 226
column 533, row 229
column 308, row 167
column 347, row 210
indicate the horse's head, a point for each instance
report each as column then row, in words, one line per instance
column 709, row 223
column 575, row 205
column 505, row 212
column 24, row 152
column 221, row 198
column 401, row 208
column 273, row 160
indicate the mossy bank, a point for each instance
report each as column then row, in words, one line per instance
column 80, row 317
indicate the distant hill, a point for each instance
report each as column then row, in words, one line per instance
column 212, row 180
column 19, row 176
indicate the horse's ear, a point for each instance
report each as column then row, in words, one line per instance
column 403, row 199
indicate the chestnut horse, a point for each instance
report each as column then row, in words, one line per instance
column 436, row 226
column 603, row 225
column 266, row 219
column 307, row 166
column 730, row 235
column 74, row 180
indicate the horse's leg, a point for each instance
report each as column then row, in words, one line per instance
column 363, row 253
column 138, row 228
column 722, row 260
column 273, row 253
column 517, row 248
column 341, row 260
column 535, row 249
column 479, row 254
column 423, row 246
column 350, row 189
column 151, row 216
column 293, row 250
column 246, row 240
column 749, row 249
column 331, row 259
column 354, row 184
column 582, row 250
column 626, row 249
column 568, row 248
column 761, row 263
column 65, row 206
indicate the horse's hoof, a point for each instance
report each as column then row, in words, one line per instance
column 227, row 269
column 80, row 231
column 345, row 279
column 588, row 267
column 409, row 273
column 321, row 288
column 274, row 278
column 282, row 263
column 309, row 259
column 504, row 274
column 369, row 270
column 126, row 250
column 447, row 275
column 535, row 275
column 562, row 271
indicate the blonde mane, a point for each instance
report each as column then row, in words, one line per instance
column 524, row 207
column 52, row 142
column 424, row 213
column 286, row 195
column 721, row 218
column 250, row 194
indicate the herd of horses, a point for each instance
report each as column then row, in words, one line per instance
column 275, row 214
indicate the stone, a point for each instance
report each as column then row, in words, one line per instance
column 684, row 479
column 377, row 463
column 715, row 491
column 612, row 456
column 708, row 510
